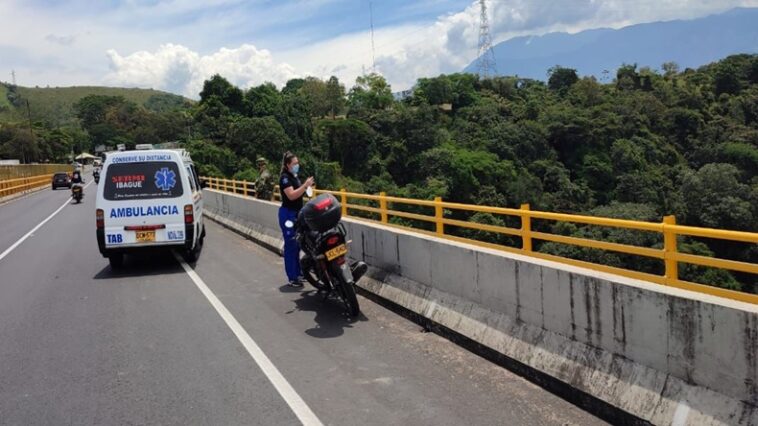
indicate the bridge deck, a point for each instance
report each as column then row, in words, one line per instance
column 83, row 345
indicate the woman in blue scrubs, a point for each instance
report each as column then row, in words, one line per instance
column 291, row 191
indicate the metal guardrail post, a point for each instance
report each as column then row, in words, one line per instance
column 439, row 216
column 526, row 229
column 343, row 200
column 383, row 206
column 669, row 250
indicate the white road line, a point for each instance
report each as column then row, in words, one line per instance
column 288, row 393
column 29, row 234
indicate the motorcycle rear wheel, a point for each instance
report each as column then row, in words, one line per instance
column 347, row 291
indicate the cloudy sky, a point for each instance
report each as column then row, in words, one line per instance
column 174, row 45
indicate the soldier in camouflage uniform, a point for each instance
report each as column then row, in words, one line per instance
column 264, row 185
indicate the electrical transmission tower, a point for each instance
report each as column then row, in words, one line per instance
column 486, row 63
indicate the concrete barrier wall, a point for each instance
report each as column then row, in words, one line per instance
column 664, row 355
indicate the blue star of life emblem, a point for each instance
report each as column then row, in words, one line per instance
column 165, row 179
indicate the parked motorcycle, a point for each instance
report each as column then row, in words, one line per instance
column 96, row 176
column 77, row 192
column 322, row 238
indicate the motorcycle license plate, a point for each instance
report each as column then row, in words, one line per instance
column 336, row 252
column 145, row 236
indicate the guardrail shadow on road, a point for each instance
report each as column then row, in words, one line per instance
column 330, row 320
column 142, row 265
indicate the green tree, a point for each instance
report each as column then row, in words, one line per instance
column 670, row 69
column 211, row 159
column 335, row 96
column 715, row 198
column 370, row 92
column 347, row 142
column 226, row 93
column 726, row 79
column 261, row 101
column 314, row 94
column 435, row 91
column 166, row 103
column 561, row 79
column 93, row 109
column 627, row 77
column 258, row 136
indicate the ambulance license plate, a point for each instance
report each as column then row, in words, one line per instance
column 145, row 236
column 336, row 252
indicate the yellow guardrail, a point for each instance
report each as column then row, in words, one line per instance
column 668, row 254
column 13, row 186
column 30, row 170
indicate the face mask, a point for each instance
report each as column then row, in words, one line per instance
column 295, row 169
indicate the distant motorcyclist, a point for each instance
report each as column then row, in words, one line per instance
column 76, row 177
column 77, row 186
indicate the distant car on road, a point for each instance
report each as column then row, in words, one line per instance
column 61, row 180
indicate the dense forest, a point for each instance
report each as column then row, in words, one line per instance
column 649, row 144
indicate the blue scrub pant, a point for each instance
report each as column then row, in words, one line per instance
column 291, row 247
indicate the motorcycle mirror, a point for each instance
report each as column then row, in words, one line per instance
column 309, row 191
column 289, row 224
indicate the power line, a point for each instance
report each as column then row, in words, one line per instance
column 485, row 65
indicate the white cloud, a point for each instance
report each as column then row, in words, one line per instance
column 177, row 69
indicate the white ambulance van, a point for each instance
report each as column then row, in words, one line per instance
column 149, row 199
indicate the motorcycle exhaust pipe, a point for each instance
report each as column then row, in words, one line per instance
column 358, row 269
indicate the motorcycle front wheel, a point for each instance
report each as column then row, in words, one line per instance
column 306, row 267
column 313, row 280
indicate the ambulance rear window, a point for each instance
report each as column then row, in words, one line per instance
column 142, row 181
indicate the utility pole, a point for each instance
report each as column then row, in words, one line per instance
column 373, row 53
column 486, row 62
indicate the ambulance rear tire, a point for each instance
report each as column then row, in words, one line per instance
column 194, row 254
column 116, row 260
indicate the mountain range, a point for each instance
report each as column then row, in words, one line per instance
column 599, row 52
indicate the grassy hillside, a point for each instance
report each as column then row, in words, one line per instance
column 54, row 105
column 4, row 104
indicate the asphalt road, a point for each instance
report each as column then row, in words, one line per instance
column 81, row 344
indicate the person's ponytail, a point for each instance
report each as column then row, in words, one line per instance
column 286, row 160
